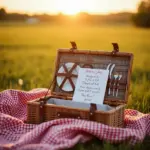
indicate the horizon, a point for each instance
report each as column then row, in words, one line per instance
column 69, row 7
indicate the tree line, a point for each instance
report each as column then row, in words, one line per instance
column 61, row 18
column 140, row 19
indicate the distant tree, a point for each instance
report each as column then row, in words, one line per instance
column 142, row 17
column 2, row 14
column 144, row 6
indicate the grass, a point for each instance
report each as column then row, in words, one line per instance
column 28, row 52
column 96, row 144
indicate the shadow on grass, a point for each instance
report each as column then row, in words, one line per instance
column 96, row 144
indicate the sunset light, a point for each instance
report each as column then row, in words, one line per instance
column 65, row 71
column 70, row 7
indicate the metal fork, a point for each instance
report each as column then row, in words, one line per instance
column 119, row 78
column 108, row 68
column 115, row 82
column 110, row 72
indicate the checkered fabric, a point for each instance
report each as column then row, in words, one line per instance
column 60, row 133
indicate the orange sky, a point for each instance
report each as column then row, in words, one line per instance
column 69, row 6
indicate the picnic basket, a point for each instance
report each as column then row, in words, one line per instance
column 59, row 105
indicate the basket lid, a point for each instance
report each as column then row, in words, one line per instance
column 69, row 61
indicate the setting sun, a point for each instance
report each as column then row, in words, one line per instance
column 70, row 7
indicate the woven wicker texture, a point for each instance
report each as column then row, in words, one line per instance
column 39, row 110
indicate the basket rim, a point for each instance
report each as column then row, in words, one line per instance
column 37, row 102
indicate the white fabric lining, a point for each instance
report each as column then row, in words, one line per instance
column 72, row 104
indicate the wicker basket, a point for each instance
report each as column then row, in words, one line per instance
column 40, row 110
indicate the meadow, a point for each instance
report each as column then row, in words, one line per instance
column 28, row 52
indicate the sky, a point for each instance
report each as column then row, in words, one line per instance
column 69, row 7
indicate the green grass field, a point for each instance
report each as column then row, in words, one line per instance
column 28, row 52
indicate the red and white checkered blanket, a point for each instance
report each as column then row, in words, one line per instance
column 61, row 133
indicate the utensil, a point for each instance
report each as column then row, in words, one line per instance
column 110, row 72
column 119, row 78
column 108, row 66
column 115, row 82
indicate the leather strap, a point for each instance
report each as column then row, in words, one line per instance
column 64, row 74
column 42, row 103
column 93, row 108
column 74, row 45
column 116, row 48
column 68, row 75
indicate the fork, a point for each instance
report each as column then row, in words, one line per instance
column 110, row 72
column 110, row 67
column 115, row 82
column 119, row 78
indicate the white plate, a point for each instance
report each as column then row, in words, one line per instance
column 67, row 86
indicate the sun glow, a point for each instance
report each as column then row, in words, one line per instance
column 72, row 7
column 69, row 7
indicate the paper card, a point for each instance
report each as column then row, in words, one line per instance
column 91, row 85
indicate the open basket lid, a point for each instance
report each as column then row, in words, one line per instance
column 69, row 61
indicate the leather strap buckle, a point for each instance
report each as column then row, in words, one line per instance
column 93, row 108
column 116, row 48
column 74, row 45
